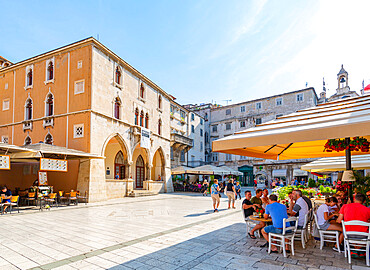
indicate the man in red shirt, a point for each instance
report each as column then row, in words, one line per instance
column 355, row 211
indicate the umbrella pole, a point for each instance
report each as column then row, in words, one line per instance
column 349, row 166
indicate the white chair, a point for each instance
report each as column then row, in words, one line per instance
column 301, row 234
column 356, row 241
column 327, row 236
column 251, row 224
column 287, row 234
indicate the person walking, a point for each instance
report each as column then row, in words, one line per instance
column 230, row 193
column 205, row 187
column 238, row 190
column 215, row 195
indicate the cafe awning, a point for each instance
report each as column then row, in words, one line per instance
column 231, row 171
column 337, row 164
column 179, row 170
column 302, row 134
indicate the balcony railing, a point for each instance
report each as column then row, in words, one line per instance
column 180, row 139
column 27, row 125
column 48, row 122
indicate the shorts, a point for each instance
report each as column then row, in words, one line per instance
column 272, row 229
column 230, row 195
column 215, row 198
column 325, row 226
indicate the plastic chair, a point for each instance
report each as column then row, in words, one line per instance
column 61, row 197
column 14, row 201
column 31, row 197
column 327, row 236
column 287, row 234
column 73, row 197
column 80, row 197
column 356, row 241
column 301, row 234
column 52, row 199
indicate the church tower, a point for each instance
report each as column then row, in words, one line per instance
column 342, row 78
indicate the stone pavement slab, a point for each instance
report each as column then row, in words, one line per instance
column 168, row 231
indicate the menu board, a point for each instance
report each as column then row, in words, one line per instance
column 43, row 178
column 49, row 164
column 4, row 162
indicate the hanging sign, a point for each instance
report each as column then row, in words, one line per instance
column 43, row 178
column 4, row 162
column 145, row 138
column 49, row 164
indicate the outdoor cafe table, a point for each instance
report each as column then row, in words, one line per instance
column 257, row 218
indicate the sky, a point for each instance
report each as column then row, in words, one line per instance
column 207, row 50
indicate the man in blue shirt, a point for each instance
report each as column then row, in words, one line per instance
column 277, row 212
column 6, row 196
column 215, row 190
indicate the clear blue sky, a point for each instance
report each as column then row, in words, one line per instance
column 201, row 51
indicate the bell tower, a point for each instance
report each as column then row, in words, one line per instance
column 342, row 78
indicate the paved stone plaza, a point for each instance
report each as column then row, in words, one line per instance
column 168, row 231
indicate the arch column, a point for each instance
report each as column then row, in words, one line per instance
column 129, row 169
column 149, row 171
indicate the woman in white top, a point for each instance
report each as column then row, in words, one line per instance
column 323, row 218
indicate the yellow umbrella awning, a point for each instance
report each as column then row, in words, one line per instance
column 302, row 134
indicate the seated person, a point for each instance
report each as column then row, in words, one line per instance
column 257, row 199
column 277, row 212
column 299, row 208
column 324, row 216
column 355, row 211
column 6, row 195
column 265, row 198
column 249, row 208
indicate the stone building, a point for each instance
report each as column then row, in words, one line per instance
column 85, row 97
column 224, row 121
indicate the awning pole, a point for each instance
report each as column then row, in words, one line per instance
column 348, row 165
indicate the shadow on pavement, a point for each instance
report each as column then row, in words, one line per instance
column 204, row 213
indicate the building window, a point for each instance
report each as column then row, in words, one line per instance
column 78, row 131
column 206, row 116
column 182, row 114
column 214, row 128
column 242, row 109
column 243, row 158
column 228, row 126
column 242, row 124
column 228, row 112
column 28, row 112
column 117, row 108
column 50, row 71
column 182, row 156
column 258, row 121
column 279, row 101
column 201, row 121
column 6, row 86
column 214, row 156
column 228, row 157
column 259, row 105
column 137, row 116
column 79, row 87
column 160, row 102
column 5, row 139
column 29, row 77
column 49, row 139
column 278, row 115
column 28, row 140
column 146, row 120
column 201, row 146
column 201, row 132
column 192, row 129
column 192, row 117
column 142, row 91
column 118, row 76
column 142, row 119
column 299, row 97
column 159, row 127
column 6, row 104
column 79, row 64
column 172, row 109
column 206, row 137
column 49, row 109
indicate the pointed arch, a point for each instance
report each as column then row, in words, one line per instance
column 142, row 118
column 28, row 113
column 117, row 108
column 29, row 79
column 158, row 165
column 49, row 138
column 27, row 140
column 49, row 104
column 142, row 91
column 159, row 126
column 137, row 116
column 146, row 120
column 160, row 102
column 118, row 75
column 50, row 71
column 121, row 141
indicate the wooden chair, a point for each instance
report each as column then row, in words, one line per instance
column 73, row 197
column 31, row 197
column 52, row 199
column 287, row 234
column 356, row 241
column 83, row 198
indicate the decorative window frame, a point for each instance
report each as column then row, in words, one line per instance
column 25, row 109
column 118, row 85
column 79, row 64
column 258, row 105
column 46, row 104
column 242, row 108
column 52, row 60
column 75, row 128
column 160, row 103
column 276, row 101
column 28, row 68
column 117, row 98
column 6, row 100
column 299, row 95
column 52, row 138
column 28, row 136
column 75, row 85
column 141, row 83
